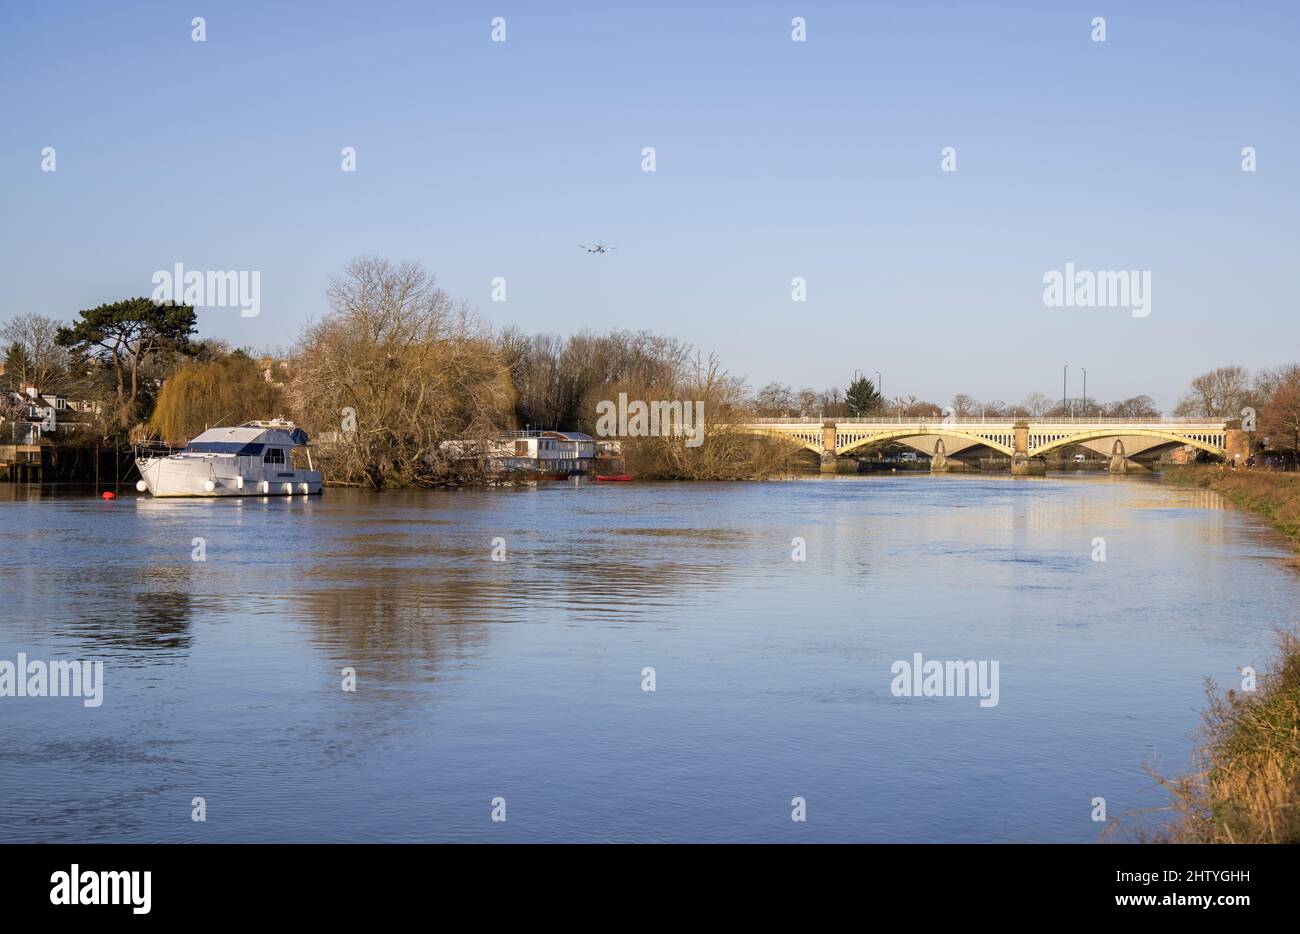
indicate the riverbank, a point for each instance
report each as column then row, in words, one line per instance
column 1276, row 496
column 1246, row 784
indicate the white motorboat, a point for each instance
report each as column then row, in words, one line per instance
column 255, row 459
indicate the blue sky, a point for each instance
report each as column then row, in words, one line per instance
column 775, row 159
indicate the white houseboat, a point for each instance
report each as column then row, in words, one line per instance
column 255, row 459
column 546, row 454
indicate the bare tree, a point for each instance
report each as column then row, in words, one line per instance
column 394, row 369
column 1280, row 418
column 1035, row 405
column 728, row 452
column 1220, row 393
column 963, row 404
column 775, row 400
column 32, row 356
column 1268, row 379
column 1136, row 407
column 831, row 403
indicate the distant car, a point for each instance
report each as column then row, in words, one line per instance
column 1080, row 458
column 909, row 457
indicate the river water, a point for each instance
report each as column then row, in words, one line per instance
column 523, row 679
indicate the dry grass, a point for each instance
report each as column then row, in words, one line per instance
column 1246, row 787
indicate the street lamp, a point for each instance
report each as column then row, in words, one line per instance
column 1063, row 376
column 1085, row 390
column 880, row 385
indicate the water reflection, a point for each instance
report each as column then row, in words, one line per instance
column 524, row 675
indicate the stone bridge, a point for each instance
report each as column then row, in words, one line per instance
column 1126, row 441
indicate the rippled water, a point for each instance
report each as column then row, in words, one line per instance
column 523, row 678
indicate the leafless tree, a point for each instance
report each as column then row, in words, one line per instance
column 775, row 400
column 728, row 452
column 1220, row 393
column 1034, row 405
column 31, row 355
column 1136, row 407
column 1280, row 417
column 394, row 369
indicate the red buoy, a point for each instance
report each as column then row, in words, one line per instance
column 109, row 494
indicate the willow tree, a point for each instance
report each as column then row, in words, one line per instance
column 204, row 394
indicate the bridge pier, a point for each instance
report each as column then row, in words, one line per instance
column 828, row 447
column 1022, row 465
column 1237, row 443
column 836, row 463
column 1119, row 462
column 939, row 459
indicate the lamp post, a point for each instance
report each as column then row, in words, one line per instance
column 1085, row 390
column 880, row 385
column 1064, row 373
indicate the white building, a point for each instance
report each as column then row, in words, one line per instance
column 550, row 452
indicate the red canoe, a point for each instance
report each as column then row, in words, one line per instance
column 610, row 478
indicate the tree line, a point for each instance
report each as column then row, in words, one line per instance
column 395, row 367
column 862, row 399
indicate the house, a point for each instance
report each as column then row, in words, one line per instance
column 41, row 413
column 566, row 450
column 550, row 452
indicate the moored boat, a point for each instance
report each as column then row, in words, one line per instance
column 253, row 459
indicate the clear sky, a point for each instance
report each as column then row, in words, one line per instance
column 774, row 159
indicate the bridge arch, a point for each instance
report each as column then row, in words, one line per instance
column 1196, row 440
column 809, row 441
column 902, row 434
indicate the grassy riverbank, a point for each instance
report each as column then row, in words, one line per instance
column 1246, row 785
column 1273, row 495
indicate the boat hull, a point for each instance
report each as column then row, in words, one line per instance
column 175, row 477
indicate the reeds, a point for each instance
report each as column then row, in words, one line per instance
column 1246, row 783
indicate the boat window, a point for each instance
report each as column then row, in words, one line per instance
column 273, row 456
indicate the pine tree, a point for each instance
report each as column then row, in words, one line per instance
column 862, row 398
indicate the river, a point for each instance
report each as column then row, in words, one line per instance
column 518, row 687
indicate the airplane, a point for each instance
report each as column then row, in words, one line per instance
column 598, row 248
